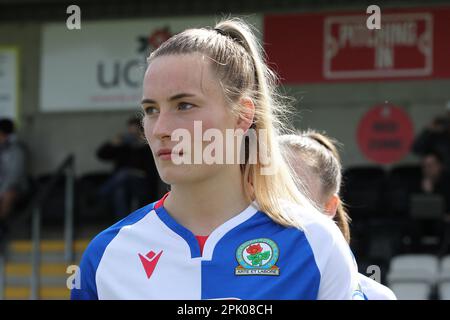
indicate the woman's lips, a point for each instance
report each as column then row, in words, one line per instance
column 167, row 155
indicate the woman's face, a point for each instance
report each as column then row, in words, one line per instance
column 178, row 90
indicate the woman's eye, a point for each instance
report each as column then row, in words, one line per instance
column 150, row 110
column 185, row 106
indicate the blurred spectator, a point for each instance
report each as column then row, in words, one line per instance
column 435, row 138
column 435, row 177
column 134, row 181
column 13, row 173
column 435, row 180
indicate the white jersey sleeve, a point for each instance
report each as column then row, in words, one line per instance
column 375, row 290
column 338, row 272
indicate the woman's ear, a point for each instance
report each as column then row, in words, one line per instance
column 247, row 115
column 331, row 205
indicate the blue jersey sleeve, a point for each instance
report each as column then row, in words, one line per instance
column 87, row 288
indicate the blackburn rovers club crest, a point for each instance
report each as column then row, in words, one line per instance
column 257, row 257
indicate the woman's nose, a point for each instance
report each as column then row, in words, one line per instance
column 163, row 126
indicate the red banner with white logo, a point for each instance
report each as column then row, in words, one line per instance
column 330, row 47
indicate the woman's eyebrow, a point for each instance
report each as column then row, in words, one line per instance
column 181, row 96
column 175, row 97
column 149, row 101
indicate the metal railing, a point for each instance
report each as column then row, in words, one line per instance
column 66, row 169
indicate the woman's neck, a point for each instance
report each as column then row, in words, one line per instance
column 203, row 206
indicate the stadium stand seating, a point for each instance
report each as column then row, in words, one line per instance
column 420, row 277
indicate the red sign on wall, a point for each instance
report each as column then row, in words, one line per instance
column 385, row 134
column 411, row 44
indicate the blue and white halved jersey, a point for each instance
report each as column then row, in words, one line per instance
column 149, row 255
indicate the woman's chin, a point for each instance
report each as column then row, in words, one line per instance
column 174, row 175
column 185, row 174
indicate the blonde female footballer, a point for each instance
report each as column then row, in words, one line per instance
column 227, row 229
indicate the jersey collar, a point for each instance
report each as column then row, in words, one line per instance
column 213, row 238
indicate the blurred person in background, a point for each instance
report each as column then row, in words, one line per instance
column 316, row 162
column 435, row 177
column 134, row 178
column 433, row 147
column 434, row 180
column 13, row 172
column 435, row 138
